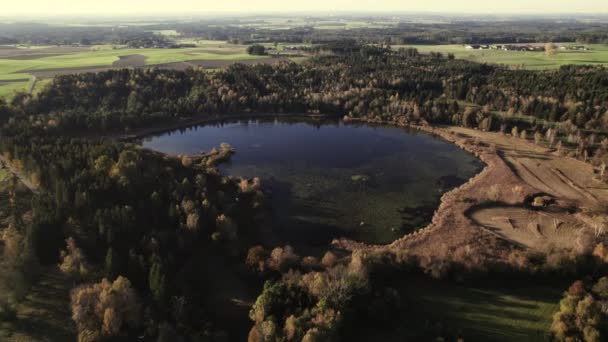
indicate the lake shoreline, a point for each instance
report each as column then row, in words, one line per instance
column 343, row 150
column 202, row 120
column 451, row 229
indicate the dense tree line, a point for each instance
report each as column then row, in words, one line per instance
column 249, row 31
column 49, row 34
column 583, row 314
column 404, row 31
column 359, row 81
column 365, row 81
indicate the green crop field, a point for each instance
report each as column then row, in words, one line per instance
column 597, row 55
column 17, row 71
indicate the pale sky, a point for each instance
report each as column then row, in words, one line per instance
column 135, row 7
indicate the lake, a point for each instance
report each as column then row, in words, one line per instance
column 328, row 180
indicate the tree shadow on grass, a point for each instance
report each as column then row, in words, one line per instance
column 488, row 313
column 44, row 315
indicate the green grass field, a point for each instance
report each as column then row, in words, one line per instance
column 495, row 311
column 597, row 55
column 18, row 69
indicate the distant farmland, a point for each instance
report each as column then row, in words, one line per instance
column 19, row 64
column 597, row 55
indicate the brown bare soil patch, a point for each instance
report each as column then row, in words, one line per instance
column 528, row 228
column 25, row 54
column 130, row 61
column 487, row 217
column 174, row 65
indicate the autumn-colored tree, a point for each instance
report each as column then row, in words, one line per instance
column 577, row 289
column 193, row 222
column 523, row 134
column 256, row 258
column 105, row 309
column 329, row 259
column 538, row 137
column 73, row 261
column 515, row 131
column 226, row 226
column 103, row 165
column 283, row 258
column 601, row 252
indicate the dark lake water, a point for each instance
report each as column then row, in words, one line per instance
column 330, row 179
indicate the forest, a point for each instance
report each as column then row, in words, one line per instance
column 128, row 225
column 316, row 30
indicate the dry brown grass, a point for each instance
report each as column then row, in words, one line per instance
column 516, row 169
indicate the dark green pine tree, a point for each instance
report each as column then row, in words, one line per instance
column 112, row 267
column 157, row 281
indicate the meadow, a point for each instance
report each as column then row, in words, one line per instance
column 597, row 55
column 17, row 67
column 486, row 311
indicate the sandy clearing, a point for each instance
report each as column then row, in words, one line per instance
column 466, row 220
column 528, row 228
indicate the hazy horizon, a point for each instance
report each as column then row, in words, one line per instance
column 92, row 8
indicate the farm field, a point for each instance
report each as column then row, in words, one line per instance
column 18, row 64
column 597, row 55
